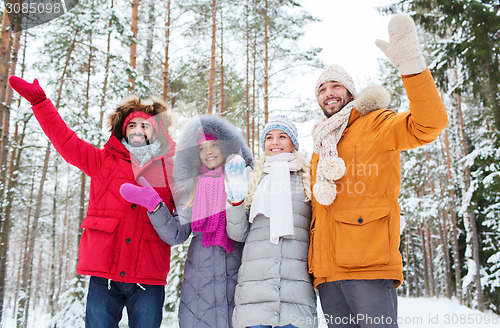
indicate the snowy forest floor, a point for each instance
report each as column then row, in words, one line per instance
column 413, row 313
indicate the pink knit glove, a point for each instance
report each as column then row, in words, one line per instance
column 144, row 196
column 32, row 92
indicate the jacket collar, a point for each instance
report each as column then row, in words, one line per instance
column 370, row 99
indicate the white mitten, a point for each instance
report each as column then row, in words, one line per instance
column 403, row 47
column 236, row 178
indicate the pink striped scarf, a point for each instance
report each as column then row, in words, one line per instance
column 209, row 209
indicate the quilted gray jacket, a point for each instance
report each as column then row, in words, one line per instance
column 274, row 286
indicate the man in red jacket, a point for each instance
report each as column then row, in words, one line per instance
column 119, row 249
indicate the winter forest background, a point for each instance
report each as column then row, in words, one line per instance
column 231, row 58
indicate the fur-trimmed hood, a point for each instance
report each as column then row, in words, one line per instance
column 187, row 162
column 372, row 98
column 154, row 106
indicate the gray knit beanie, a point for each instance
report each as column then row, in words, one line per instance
column 338, row 74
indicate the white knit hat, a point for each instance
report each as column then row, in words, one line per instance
column 338, row 74
column 283, row 123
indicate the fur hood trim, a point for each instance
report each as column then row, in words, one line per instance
column 187, row 162
column 372, row 98
column 154, row 106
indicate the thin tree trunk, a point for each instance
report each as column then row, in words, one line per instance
column 430, row 264
column 254, row 81
column 424, row 255
column 211, row 80
column 148, row 61
column 106, row 72
column 444, row 243
column 407, row 257
column 53, row 250
column 454, row 225
column 167, row 41
column 414, row 261
column 266, row 63
column 222, row 93
column 133, row 45
column 247, row 74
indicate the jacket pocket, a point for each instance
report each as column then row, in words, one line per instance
column 362, row 237
column 154, row 255
column 97, row 243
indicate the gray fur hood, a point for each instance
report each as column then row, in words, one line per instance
column 372, row 98
column 187, row 162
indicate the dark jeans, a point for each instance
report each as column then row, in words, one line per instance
column 359, row 303
column 105, row 306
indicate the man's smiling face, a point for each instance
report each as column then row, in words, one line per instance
column 140, row 132
column 332, row 97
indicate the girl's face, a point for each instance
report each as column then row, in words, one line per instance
column 277, row 142
column 211, row 154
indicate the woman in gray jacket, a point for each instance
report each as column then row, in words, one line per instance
column 274, row 287
column 213, row 259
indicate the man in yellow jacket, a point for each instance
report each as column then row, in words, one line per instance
column 355, row 233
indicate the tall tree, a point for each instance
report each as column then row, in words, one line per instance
column 134, row 22
column 211, row 79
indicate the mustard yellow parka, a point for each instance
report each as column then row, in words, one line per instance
column 358, row 235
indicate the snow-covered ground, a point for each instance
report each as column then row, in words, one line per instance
column 413, row 313
column 440, row 312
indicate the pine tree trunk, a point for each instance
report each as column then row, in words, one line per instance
column 407, row 258
column 254, row 81
column 133, row 45
column 54, row 258
column 5, row 46
column 266, row 63
column 106, row 72
column 454, row 225
column 430, row 264
column 211, row 80
column 167, row 44
column 443, row 232
column 5, row 103
column 222, row 94
column 414, row 261
column 247, row 74
column 426, row 266
column 148, row 61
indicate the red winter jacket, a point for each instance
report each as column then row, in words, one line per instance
column 118, row 240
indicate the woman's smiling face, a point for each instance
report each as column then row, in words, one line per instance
column 277, row 142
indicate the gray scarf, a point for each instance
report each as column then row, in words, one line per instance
column 143, row 154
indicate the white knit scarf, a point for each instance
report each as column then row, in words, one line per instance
column 273, row 197
column 326, row 135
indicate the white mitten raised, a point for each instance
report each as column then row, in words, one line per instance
column 236, row 178
column 403, row 47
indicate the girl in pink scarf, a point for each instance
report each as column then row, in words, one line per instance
column 209, row 205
